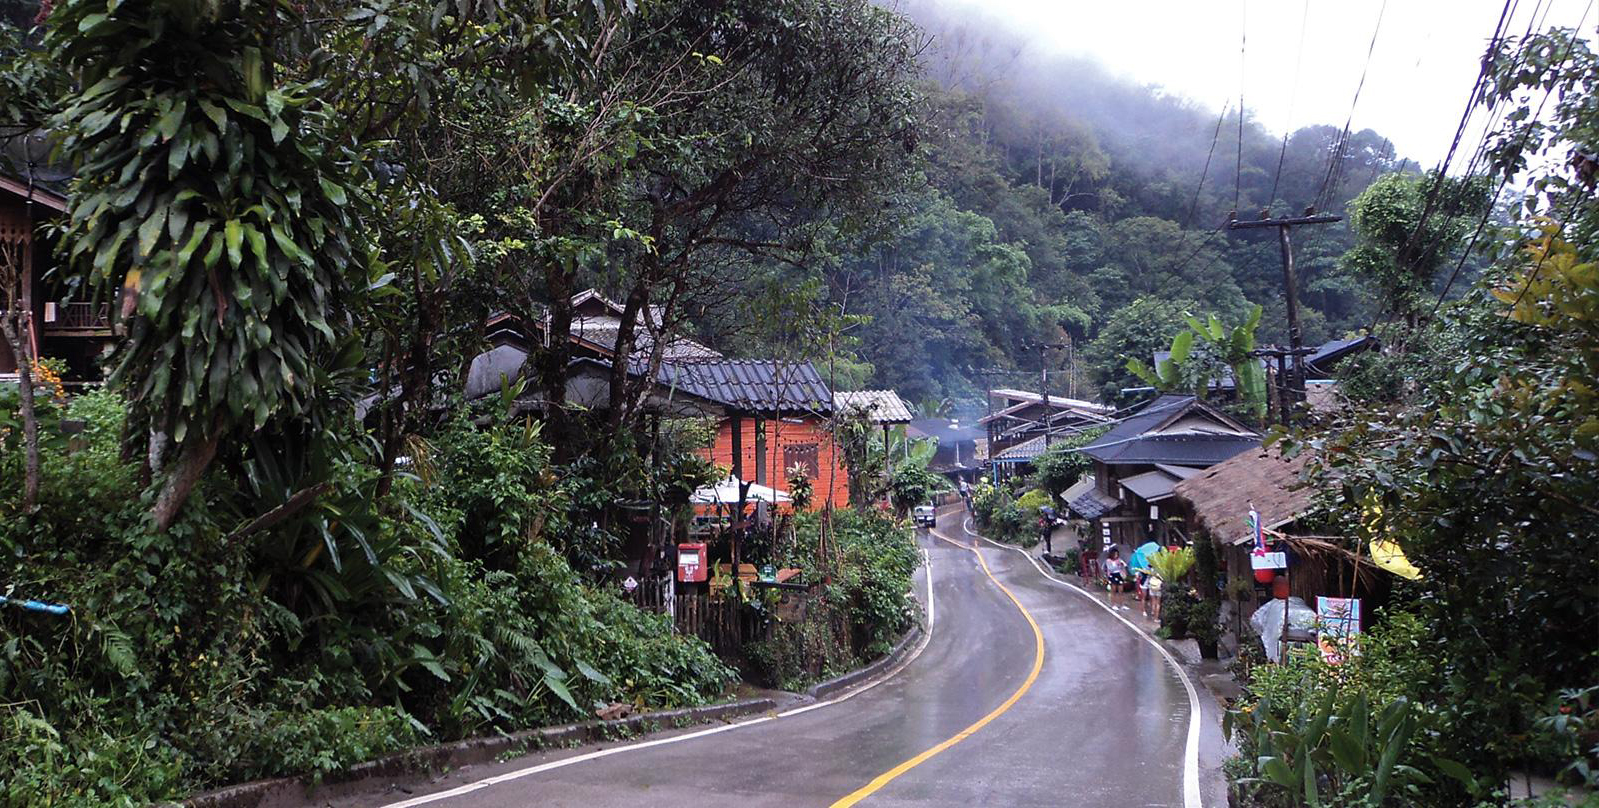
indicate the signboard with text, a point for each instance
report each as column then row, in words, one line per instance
column 1268, row 561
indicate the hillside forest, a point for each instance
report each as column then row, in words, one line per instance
column 1058, row 203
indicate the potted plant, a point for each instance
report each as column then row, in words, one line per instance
column 1204, row 627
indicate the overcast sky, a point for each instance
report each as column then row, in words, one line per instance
column 1427, row 55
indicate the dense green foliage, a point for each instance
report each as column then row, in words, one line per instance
column 862, row 611
column 190, row 660
column 1475, row 452
column 1081, row 207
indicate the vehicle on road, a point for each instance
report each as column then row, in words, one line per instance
column 924, row 515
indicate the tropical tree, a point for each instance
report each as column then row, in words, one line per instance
column 211, row 197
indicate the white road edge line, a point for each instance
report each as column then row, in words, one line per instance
column 1191, row 798
column 616, row 750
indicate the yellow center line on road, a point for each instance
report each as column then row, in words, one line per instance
column 1032, row 676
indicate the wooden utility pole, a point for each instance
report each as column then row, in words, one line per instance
column 1296, row 380
column 1043, row 384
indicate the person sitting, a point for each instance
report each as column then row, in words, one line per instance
column 1116, row 577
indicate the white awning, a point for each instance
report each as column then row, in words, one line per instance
column 726, row 493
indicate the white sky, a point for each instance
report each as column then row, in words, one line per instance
column 1427, row 55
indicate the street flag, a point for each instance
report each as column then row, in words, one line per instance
column 1260, row 535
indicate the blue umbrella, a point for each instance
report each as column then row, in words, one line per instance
column 1140, row 560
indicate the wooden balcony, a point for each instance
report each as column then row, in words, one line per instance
column 77, row 319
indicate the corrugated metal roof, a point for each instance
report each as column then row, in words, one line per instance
column 1152, row 486
column 881, row 406
column 753, row 385
column 1181, row 449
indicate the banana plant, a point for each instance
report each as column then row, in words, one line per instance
column 1168, row 374
column 1236, row 347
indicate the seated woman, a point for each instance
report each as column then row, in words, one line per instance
column 1116, row 577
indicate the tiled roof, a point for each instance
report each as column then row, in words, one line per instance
column 881, row 406
column 1094, row 504
column 1137, row 439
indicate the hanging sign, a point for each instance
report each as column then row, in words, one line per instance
column 1268, row 561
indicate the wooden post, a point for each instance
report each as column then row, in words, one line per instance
column 1296, row 382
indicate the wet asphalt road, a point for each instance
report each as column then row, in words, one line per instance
column 1104, row 724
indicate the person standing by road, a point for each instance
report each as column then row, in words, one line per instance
column 1116, row 577
column 966, row 494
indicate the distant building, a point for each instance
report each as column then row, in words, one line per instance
column 1016, row 427
column 1138, row 463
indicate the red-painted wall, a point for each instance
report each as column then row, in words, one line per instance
column 831, row 482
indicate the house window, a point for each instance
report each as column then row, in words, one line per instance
column 802, row 454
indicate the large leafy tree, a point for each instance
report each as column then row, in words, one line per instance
column 211, row 198
column 1484, row 468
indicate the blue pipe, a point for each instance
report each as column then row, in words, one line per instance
column 37, row 606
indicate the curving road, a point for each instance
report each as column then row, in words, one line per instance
column 1104, row 721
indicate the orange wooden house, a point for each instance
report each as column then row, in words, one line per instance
column 772, row 415
column 777, row 417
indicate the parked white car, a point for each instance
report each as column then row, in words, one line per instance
column 924, row 515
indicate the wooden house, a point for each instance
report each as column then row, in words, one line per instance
column 58, row 327
column 1138, row 463
column 1019, row 421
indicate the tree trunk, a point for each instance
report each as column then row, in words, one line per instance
column 21, row 349
column 194, row 457
column 557, row 351
column 626, row 335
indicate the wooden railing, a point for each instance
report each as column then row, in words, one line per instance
column 80, row 317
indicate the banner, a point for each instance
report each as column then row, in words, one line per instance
column 1338, row 621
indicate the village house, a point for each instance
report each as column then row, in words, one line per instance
column 76, row 332
column 1022, row 423
column 772, row 415
column 1138, row 463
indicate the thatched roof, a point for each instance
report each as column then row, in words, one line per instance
column 1221, row 495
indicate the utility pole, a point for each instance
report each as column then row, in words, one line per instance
column 1296, row 380
column 1043, row 383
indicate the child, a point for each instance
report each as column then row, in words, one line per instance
column 1116, row 576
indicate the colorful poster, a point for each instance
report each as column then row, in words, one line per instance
column 1339, row 621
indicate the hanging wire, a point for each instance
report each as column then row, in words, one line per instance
column 1243, row 39
column 1482, row 222
column 1293, row 95
column 1335, row 166
column 1382, row 317
column 1214, row 138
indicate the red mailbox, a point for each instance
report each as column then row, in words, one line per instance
column 691, row 564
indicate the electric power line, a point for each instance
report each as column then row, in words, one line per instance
column 1243, row 40
column 1214, row 138
column 1482, row 150
column 1293, row 95
column 1381, row 319
column 1335, row 165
